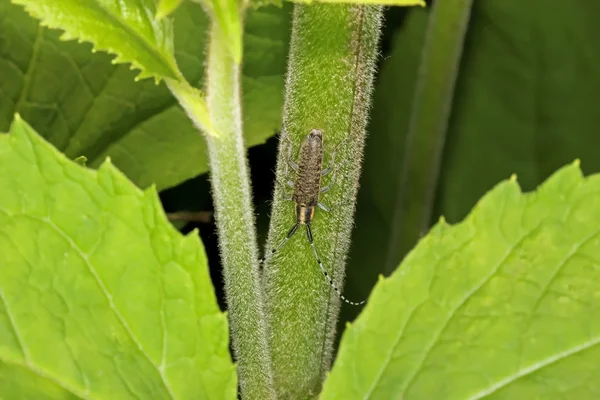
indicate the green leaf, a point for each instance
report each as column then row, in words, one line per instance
column 84, row 105
column 81, row 160
column 125, row 28
column 99, row 296
column 20, row 381
column 524, row 106
column 526, row 100
column 166, row 7
column 503, row 305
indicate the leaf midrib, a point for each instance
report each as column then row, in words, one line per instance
column 536, row 367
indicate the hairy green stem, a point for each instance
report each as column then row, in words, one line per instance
column 427, row 127
column 235, row 220
column 329, row 84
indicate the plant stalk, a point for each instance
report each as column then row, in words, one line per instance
column 329, row 84
column 234, row 217
column 426, row 136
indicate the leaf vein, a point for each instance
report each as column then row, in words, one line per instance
column 536, row 367
column 30, row 69
column 13, row 326
column 468, row 295
column 44, row 374
column 109, row 298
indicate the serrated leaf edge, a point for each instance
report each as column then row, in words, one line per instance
column 119, row 57
column 351, row 331
column 149, row 196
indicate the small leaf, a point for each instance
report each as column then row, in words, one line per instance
column 166, row 7
column 503, row 305
column 126, row 28
column 99, row 296
column 81, row 160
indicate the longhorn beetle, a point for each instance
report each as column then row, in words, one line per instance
column 306, row 191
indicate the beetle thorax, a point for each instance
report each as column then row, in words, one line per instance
column 310, row 167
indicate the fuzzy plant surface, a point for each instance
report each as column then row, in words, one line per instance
column 340, row 43
column 100, row 297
